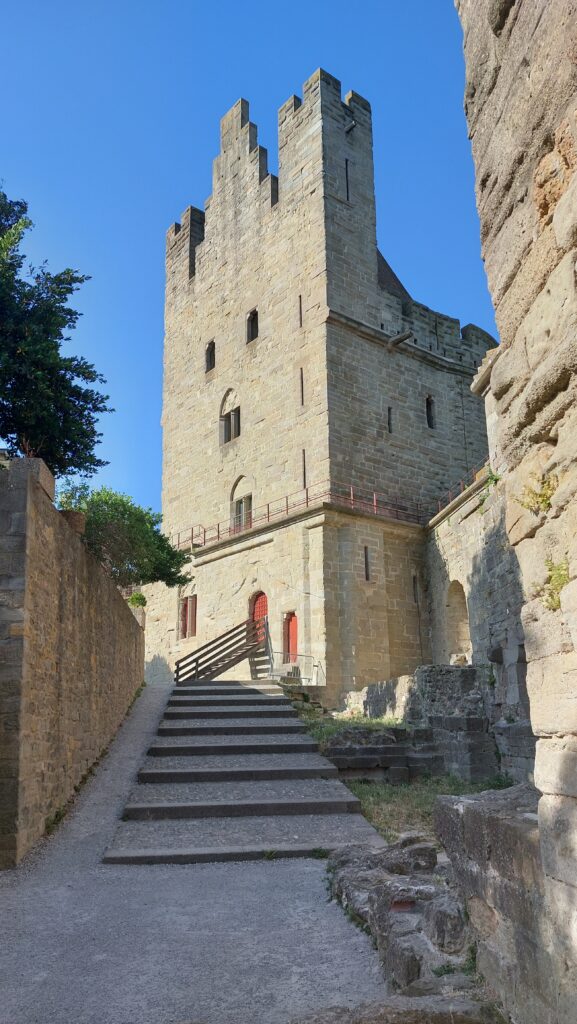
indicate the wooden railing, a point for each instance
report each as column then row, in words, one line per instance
column 226, row 650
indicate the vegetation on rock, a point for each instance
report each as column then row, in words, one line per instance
column 538, row 499
column 125, row 538
column 48, row 405
column 558, row 577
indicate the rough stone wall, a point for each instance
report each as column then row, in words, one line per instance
column 521, row 104
column 71, row 658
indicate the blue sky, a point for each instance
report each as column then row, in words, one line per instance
column 113, row 122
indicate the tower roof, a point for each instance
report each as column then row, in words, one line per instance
column 388, row 280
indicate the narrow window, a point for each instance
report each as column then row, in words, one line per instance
column 252, row 325
column 302, row 386
column 304, row 468
column 210, row 357
column 390, row 419
column 300, row 310
column 367, row 565
column 230, row 426
column 188, row 617
column 415, row 590
column 347, row 180
column 430, row 407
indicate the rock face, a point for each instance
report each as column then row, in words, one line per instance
column 521, row 105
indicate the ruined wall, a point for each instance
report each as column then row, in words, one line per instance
column 71, row 658
column 467, row 544
column 521, row 104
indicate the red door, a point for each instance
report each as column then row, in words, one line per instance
column 259, row 609
column 290, row 637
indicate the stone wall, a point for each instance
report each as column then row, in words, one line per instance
column 521, row 105
column 71, row 658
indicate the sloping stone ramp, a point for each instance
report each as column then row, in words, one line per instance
column 233, row 775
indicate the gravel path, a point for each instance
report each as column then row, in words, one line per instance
column 88, row 943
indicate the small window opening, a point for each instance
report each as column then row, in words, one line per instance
column 347, row 185
column 210, row 357
column 415, row 590
column 242, row 514
column 188, row 617
column 430, row 408
column 230, row 425
column 302, row 377
column 367, row 564
column 252, row 325
column 390, row 419
column 300, row 310
column 304, row 468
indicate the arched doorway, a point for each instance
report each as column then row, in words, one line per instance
column 258, row 609
column 290, row 638
column 458, row 634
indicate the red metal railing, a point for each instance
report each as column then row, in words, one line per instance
column 461, row 485
column 340, row 495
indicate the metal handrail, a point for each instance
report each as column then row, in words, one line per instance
column 461, row 485
column 328, row 492
column 225, row 650
column 313, row 673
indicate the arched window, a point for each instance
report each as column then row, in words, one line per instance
column 430, row 407
column 229, row 417
column 210, row 357
column 241, row 505
column 458, row 636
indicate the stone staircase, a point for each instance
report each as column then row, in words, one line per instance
column 233, row 775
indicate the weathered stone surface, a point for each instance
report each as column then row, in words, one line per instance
column 444, row 923
column 521, row 102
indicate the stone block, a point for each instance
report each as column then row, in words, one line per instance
column 444, row 924
column 558, row 832
column 551, row 684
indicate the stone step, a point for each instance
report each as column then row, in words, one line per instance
column 344, row 761
column 222, row 691
column 227, row 745
column 235, row 839
column 228, row 701
column 264, row 712
column 236, row 768
column 230, row 727
column 229, row 799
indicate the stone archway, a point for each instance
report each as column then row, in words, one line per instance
column 458, row 648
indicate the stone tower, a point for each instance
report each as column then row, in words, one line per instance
column 313, row 412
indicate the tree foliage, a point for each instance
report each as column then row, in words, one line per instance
column 125, row 538
column 48, row 406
